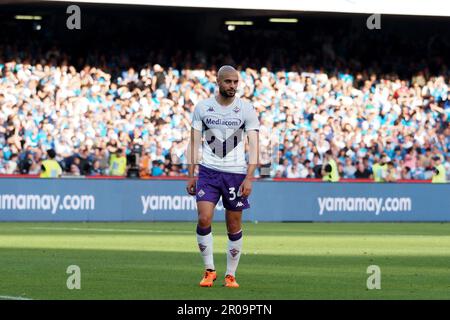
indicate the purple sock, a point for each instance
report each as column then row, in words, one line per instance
column 235, row 236
column 203, row 231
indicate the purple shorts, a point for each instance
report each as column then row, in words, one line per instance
column 213, row 184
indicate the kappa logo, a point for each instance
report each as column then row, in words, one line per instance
column 234, row 252
column 210, row 109
column 202, row 247
column 239, row 204
column 201, row 193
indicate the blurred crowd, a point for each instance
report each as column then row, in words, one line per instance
column 143, row 116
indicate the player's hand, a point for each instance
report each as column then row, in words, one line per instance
column 246, row 188
column 191, row 186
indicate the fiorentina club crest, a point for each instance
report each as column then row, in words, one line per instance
column 201, row 193
column 202, row 247
column 234, row 252
column 236, row 109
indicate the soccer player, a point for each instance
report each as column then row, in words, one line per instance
column 223, row 170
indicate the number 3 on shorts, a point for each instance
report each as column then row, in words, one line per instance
column 233, row 193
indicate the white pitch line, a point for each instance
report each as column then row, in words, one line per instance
column 110, row 230
column 14, row 298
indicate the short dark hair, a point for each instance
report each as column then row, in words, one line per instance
column 51, row 153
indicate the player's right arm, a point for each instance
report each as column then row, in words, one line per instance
column 192, row 150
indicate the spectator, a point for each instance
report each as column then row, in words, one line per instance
column 362, row 172
column 11, row 166
column 3, row 163
column 157, row 168
column 145, row 165
column 406, row 173
column 317, row 167
column 390, row 175
column 96, row 169
column 26, row 164
column 159, row 80
column 295, row 169
column 102, row 156
column 282, row 168
column 50, row 105
column 447, row 166
column 349, row 169
column 74, row 167
column 85, row 161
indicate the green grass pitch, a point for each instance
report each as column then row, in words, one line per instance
column 279, row 261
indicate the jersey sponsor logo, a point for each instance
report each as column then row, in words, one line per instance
column 234, row 252
column 233, row 122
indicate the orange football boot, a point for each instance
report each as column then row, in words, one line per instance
column 208, row 279
column 230, row 282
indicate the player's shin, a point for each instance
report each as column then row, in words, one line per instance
column 233, row 252
column 205, row 244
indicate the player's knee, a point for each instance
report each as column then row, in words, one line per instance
column 234, row 226
column 204, row 221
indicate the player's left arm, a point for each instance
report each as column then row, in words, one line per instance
column 253, row 162
column 252, row 128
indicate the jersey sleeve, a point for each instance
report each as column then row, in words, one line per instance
column 197, row 118
column 251, row 118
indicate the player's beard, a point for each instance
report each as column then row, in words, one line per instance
column 226, row 94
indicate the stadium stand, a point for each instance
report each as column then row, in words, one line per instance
column 310, row 95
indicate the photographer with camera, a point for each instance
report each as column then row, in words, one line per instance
column 133, row 160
